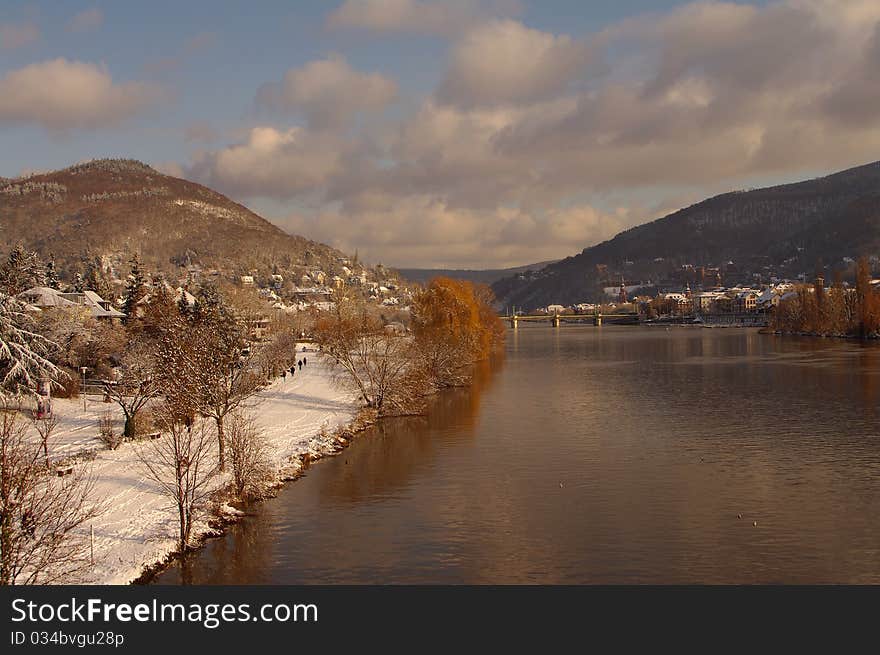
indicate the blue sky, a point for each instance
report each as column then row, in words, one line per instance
column 449, row 134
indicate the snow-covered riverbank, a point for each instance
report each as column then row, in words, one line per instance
column 139, row 526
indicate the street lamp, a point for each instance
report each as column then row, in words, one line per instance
column 83, row 370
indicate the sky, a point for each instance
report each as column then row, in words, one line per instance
column 479, row 134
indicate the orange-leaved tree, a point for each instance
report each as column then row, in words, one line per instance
column 454, row 325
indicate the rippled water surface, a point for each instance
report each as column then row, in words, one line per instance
column 585, row 455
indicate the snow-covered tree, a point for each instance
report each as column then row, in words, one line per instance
column 22, row 270
column 96, row 280
column 135, row 289
column 52, row 280
column 23, row 352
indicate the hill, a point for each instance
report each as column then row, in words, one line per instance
column 747, row 235
column 478, row 276
column 114, row 208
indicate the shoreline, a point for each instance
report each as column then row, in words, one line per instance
column 302, row 419
column 336, row 441
column 816, row 335
column 293, row 471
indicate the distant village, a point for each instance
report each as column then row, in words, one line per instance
column 102, row 290
column 699, row 292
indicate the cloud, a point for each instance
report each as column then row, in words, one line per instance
column 171, row 168
column 418, row 17
column 60, row 95
column 856, row 99
column 18, row 35
column 723, row 91
column 328, row 92
column 87, row 20
column 273, row 163
column 504, row 62
column 531, row 139
column 424, row 232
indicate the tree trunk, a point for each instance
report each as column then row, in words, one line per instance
column 221, row 443
column 5, row 548
column 183, row 535
column 129, row 430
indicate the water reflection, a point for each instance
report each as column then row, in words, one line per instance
column 597, row 455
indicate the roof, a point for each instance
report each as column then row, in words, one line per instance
column 46, row 297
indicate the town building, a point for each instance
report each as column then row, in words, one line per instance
column 45, row 298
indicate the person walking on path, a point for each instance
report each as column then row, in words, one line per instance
column 305, row 361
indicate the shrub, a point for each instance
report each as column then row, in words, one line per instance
column 106, row 433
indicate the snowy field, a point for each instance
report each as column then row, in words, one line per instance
column 139, row 526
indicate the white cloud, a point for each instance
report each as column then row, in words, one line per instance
column 328, row 92
column 272, row 162
column 504, row 62
column 424, row 232
column 60, row 95
column 18, row 35
column 87, row 20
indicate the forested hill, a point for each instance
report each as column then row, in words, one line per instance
column 789, row 227
column 113, row 208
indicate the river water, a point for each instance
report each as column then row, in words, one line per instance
column 596, row 455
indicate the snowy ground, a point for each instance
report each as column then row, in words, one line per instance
column 139, row 525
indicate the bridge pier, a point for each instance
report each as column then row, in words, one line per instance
column 556, row 321
column 597, row 321
column 514, row 323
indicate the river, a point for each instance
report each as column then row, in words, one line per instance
column 595, row 455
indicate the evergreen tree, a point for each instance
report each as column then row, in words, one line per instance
column 135, row 289
column 96, row 280
column 52, row 280
column 79, row 284
column 23, row 269
column 183, row 306
column 23, row 353
column 209, row 304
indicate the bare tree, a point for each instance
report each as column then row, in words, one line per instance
column 46, row 427
column 228, row 375
column 136, row 385
column 40, row 515
column 278, row 352
column 106, row 433
column 251, row 467
column 183, row 463
column 378, row 364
